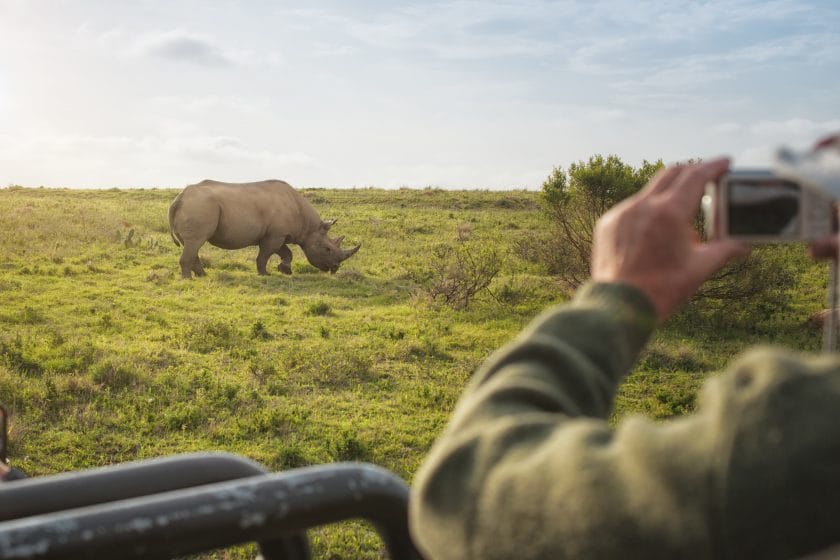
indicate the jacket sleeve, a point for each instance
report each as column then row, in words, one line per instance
column 529, row 468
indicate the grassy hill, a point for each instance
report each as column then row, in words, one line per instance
column 106, row 355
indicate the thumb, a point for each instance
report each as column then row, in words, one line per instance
column 825, row 248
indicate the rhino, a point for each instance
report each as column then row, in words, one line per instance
column 269, row 214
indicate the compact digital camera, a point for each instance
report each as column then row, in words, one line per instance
column 760, row 206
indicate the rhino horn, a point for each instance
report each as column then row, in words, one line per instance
column 350, row 252
column 337, row 241
column 326, row 225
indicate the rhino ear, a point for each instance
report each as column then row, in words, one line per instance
column 325, row 226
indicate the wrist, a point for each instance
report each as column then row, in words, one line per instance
column 628, row 299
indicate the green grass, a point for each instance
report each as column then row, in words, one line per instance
column 106, row 355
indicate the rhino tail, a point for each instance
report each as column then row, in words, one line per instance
column 173, row 209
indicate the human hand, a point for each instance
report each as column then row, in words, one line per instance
column 648, row 240
column 825, row 248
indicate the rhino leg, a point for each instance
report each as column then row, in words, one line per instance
column 198, row 268
column 189, row 260
column 262, row 258
column 268, row 246
column 285, row 255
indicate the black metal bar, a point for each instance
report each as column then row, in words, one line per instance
column 219, row 515
column 63, row 491
column 36, row 496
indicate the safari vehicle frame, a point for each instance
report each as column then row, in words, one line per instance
column 185, row 504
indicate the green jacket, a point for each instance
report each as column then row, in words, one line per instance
column 529, row 468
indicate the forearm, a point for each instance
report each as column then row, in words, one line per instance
column 527, row 406
column 570, row 360
column 529, row 468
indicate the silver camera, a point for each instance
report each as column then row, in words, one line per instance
column 760, row 206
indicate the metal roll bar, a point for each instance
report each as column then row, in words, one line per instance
column 272, row 509
column 46, row 494
column 36, row 496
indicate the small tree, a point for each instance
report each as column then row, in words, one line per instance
column 454, row 275
column 574, row 201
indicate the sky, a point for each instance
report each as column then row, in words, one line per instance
column 453, row 94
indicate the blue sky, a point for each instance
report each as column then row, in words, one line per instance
column 461, row 94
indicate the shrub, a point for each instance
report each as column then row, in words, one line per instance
column 114, row 375
column 319, row 308
column 510, row 293
column 455, row 275
column 259, row 332
column 753, row 293
column 262, row 370
column 574, row 201
column 348, row 447
column 291, row 457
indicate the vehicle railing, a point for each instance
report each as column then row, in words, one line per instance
column 193, row 503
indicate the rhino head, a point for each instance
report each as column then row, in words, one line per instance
column 324, row 253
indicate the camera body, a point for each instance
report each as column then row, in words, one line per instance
column 759, row 206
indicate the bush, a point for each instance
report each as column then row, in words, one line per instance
column 753, row 293
column 115, row 375
column 348, row 447
column 259, row 332
column 766, row 270
column 319, row 309
column 455, row 275
column 574, row 201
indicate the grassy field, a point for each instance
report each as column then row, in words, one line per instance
column 106, row 355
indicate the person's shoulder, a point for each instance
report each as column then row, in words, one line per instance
column 774, row 414
column 770, row 366
column 770, row 381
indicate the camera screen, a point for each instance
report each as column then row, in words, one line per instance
column 766, row 207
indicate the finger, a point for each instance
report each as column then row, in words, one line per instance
column 828, row 142
column 825, row 248
column 691, row 183
column 661, row 180
column 696, row 238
